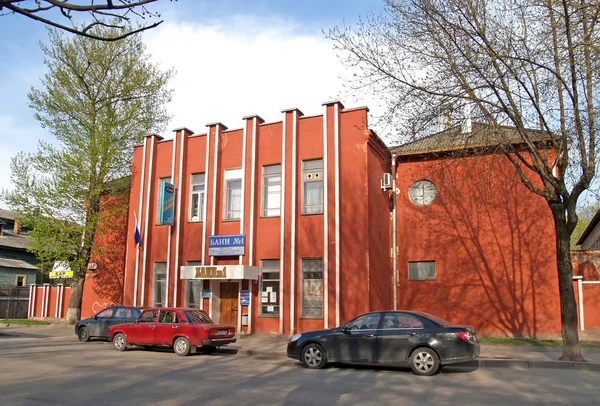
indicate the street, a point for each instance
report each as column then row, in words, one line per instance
column 61, row 370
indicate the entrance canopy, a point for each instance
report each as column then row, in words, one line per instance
column 225, row 272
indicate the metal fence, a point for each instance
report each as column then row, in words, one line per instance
column 14, row 303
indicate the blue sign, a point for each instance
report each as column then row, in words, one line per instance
column 205, row 293
column 245, row 298
column 226, row 245
column 166, row 203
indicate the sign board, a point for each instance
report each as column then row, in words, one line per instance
column 166, row 203
column 226, row 245
column 245, row 298
column 224, row 272
column 60, row 270
column 205, row 293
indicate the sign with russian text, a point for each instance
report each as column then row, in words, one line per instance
column 60, row 270
column 245, row 298
column 226, row 245
column 167, row 203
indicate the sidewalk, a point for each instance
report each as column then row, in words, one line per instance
column 275, row 347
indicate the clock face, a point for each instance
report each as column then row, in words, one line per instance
column 422, row 192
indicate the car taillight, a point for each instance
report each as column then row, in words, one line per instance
column 466, row 335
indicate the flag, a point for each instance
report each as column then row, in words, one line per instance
column 136, row 231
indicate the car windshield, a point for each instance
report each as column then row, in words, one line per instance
column 436, row 319
column 196, row 316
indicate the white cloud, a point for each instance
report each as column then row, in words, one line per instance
column 242, row 66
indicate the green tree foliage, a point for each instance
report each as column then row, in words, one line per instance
column 98, row 100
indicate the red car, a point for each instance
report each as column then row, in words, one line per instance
column 182, row 329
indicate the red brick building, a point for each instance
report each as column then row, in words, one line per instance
column 304, row 221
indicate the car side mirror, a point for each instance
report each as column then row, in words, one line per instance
column 94, row 317
column 343, row 329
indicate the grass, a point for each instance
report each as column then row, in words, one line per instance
column 25, row 322
column 533, row 342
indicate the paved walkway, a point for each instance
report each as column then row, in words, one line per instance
column 274, row 346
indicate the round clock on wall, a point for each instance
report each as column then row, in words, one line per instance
column 422, row 192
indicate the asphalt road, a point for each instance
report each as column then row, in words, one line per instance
column 63, row 371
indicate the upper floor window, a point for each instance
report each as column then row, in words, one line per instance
column 312, row 186
column 197, row 197
column 271, row 192
column 233, row 194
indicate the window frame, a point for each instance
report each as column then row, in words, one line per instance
column 17, row 280
column 201, row 193
column 308, row 172
column 426, row 278
column 155, row 281
column 230, row 176
column 302, row 287
column 265, row 189
column 188, row 285
column 271, row 269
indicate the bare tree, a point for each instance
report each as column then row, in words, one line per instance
column 522, row 63
column 60, row 14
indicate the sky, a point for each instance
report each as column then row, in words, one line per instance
column 232, row 58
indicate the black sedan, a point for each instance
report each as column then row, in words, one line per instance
column 398, row 338
column 97, row 325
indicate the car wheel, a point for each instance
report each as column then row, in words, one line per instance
column 120, row 342
column 182, row 346
column 424, row 361
column 83, row 334
column 314, row 356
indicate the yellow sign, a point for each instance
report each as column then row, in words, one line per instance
column 208, row 272
column 60, row 274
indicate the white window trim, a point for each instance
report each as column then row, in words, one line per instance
column 264, row 197
column 304, row 212
column 199, row 193
column 231, row 175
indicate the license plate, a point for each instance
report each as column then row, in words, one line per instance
column 221, row 333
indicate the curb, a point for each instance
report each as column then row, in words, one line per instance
column 478, row 363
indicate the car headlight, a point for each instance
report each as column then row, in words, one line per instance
column 294, row 338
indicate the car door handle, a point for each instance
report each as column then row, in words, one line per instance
column 369, row 335
column 412, row 333
column 174, row 326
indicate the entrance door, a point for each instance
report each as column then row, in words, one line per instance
column 228, row 307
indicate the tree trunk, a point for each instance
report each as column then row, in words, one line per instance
column 74, row 311
column 568, row 306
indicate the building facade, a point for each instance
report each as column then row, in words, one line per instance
column 18, row 266
column 276, row 227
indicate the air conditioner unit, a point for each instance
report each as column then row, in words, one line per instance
column 386, row 181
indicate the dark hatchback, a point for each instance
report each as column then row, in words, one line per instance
column 395, row 338
column 98, row 324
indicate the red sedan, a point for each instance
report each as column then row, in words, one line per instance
column 182, row 329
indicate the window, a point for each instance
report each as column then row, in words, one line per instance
column 125, row 313
column 271, row 192
column 149, row 316
column 233, row 194
column 312, row 185
column 167, row 317
column 421, row 271
column 159, row 293
column 106, row 313
column 364, row 322
column 193, row 289
column 399, row 320
column 21, row 280
column 197, row 197
column 312, row 287
column 160, row 182
column 269, row 287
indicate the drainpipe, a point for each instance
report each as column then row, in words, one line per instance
column 394, row 253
